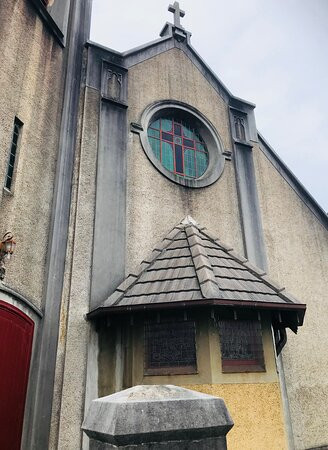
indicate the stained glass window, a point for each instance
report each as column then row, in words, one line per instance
column 179, row 147
column 241, row 346
column 170, row 348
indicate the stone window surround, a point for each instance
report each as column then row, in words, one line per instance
column 207, row 131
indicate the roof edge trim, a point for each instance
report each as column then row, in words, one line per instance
column 299, row 307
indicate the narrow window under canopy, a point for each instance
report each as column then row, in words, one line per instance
column 241, row 346
column 170, row 348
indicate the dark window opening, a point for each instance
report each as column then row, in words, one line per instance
column 241, row 346
column 13, row 153
column 170, row 348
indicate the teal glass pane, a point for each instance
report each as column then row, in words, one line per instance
column 154, row 133
column 187, row 132
column 167, row 125
column 156, row 147
column 200, row 147
column 156, row 124
column 189, row 163
column 202, row 163
column 167, row 156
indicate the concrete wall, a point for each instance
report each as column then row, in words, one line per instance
column 31, row 82
column 297, row 249
column 154, row 203
column 76, row 336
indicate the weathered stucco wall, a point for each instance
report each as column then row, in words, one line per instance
column 297, row 249
column 31, row 80
column 256, row 411
column 77, row 338
column 154, row 203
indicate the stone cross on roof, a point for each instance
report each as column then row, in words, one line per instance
column 175, row 9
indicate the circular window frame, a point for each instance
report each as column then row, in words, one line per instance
column 207, row 131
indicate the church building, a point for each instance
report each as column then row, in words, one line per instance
column 151, row 235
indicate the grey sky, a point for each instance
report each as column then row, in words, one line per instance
column 271, row 52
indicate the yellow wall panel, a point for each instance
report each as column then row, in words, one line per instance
column 256, row 411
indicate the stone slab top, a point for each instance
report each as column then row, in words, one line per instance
column 156, row 413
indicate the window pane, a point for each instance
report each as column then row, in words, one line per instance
column 177, row 129
column 241, row 345
column 202, row 163
column 187, row 132
column 178, row 159
column 167, row 156
column 156, row 124
column 170, row 348
column 188, row 143
column 156, row 147
column 167, row 137
column 189, row 163
column 167, row 125
column 154, row 133
column 10, row 171
column 200, row 147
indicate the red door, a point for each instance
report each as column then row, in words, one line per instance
column 16, row 335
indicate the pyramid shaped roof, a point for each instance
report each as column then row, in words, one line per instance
column 191, row 267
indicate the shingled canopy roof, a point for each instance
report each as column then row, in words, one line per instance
column 191, row 267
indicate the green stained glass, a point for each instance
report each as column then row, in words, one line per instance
column 167, row 156
column 166, row 124
column 156, row 124
column 154, row 133
column 187, row 132
column 156, row 147
column 170, row 138
column 202, row 163
column 189, row 163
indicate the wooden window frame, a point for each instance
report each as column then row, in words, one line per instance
column 172, row 369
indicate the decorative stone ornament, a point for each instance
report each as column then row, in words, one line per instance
column 181, row 112
column 7, row 247
column 158, row 417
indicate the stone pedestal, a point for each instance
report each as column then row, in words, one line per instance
column 163, row 417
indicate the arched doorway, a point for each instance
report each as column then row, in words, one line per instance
column 16, row 336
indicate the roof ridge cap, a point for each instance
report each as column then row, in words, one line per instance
column 204, row 271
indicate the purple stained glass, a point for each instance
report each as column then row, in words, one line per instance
column 178, row 159
column 188, row 143
column 167, row 137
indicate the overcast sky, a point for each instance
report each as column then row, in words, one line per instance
column 273, row 53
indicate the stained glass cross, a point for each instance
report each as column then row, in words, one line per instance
column 175, row 9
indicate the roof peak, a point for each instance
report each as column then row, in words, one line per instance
column 188, row 220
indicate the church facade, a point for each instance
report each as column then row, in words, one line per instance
column 159, row 239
